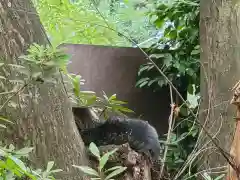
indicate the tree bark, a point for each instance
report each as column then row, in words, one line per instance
column 46, row 124
column 233, row 172
column 219, row 39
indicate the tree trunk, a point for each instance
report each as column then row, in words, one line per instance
column 233, row 172
column 219, row 39
column 47, row 124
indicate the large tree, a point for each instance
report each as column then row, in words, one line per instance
column 47, row 124
column 219, row 32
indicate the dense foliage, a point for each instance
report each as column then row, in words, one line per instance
column 74, row 22
column 177, row 54
column 130, row 18
column 97, row 22
column 177, row 51
column 101, row 173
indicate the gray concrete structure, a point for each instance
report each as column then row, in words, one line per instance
column 114, row 70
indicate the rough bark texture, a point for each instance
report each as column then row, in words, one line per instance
column 85, row 118
column 47, row 124
column 219, row 32
column 233, row 172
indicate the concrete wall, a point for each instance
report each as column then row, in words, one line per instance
column 114, row 70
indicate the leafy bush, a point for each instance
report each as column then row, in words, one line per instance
column 105, row 104
column 101, row 173
column 68, row 21
column 177, row 54
column 12, row 167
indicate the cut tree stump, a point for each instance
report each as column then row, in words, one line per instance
column 139, row 167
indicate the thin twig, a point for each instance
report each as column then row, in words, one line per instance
column 9, row 98
column 62, row 80
column 170, row 125
column 209, row 170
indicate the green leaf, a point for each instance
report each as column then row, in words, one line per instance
column 153, row 18
column 114, row 96
column 168, row 60
column 24, row 151
column 182, row 68
column 142, row 69
column 56, row 170
column 116, row 172
column 157, row 56
column 113, row 168
column 105, row 96
column 104, row 158
column 140, row 81
column 103, row 161
column 206, row 176
column 2, row 77
column 16, row 66
column 2, row 152
column 197, row 47
column 159, row 23
column 94, row 150
column 194, row 131
column 184, row 111
column 50, row 166
column 219, row 177
column 173, row 34
column 190, row 72
column 6, row 120
column 161, row 82
column 36, row 75
column 152, row 81
column 162, row 7
column 49, row 64
column 124, row 109
column 3, row 126
column 12, row 104
column 118, row 102
column 194, row 52
column 11, row 147
column 12, row 162
column 87, row 170
column 190, row 89
column 89, row 93
column 143, row 84
column 24, row 71
column 167, row 30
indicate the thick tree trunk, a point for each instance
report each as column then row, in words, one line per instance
column 47, row 124
column 220, row 37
